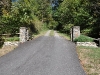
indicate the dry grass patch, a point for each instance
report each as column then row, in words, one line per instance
column 90, row 59
column 6, row 49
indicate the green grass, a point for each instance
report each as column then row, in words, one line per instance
column 66, row 36
column 52, row 33
column 90, row 59
column 12, row 39
column 41, row 33
column 94, row 52
column 83, row 38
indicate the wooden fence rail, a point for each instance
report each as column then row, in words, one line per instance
column 23, row 34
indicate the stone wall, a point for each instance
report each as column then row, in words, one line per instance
column 89, row 44
column 24, row 34
column 15, row 43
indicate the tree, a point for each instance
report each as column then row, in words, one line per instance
column 6, row 6
column 95, row 13
column 74, row 12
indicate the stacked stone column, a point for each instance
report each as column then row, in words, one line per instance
column 24, row 34
column 75, row 32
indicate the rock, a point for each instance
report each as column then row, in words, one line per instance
column 11, row 43
column 91, row 44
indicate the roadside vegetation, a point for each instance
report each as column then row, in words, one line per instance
column 83, row 38
column 36, row 35
column 90, row 59
column 39, row 16
column 63, row 15
column 52, row 33
column 64, row 35
column 11, row 39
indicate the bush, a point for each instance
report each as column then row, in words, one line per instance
column 53, row 24
column 67, row 27
column 83, row 38
column 1, row 42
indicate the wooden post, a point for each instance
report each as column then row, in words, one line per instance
column 71, row 31
column 99, row 42
column 27, row 34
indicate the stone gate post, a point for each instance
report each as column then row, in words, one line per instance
column 23, row 37
column 75, row 32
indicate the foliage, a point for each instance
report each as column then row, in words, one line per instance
column 5, row 6
column 23, row 13
column 62, row 16
column 12, row 39
column 53, row 24
column 72, row 12
column 1, row 42
column 67, row 28
column 64, row 35
column 83, row 38
column 83, row 13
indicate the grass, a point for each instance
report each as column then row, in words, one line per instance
column 34, row 36
column 83, row 38
column 66, row 36
column 90, row 59
column 12, row 39
column 52, row 33
column 39, row 34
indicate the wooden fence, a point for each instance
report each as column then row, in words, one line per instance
column 23, row 35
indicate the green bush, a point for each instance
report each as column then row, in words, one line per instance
column 83, row 38
column 1, row 42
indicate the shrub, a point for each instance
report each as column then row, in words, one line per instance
column 1, row 42
column 83, row 38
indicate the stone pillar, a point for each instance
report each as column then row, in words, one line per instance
column 23, row 37
column 75, row 32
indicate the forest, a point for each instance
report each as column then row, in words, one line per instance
column 59, row 15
